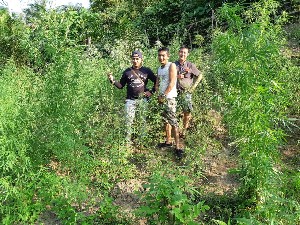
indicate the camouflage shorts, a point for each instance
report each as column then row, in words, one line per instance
column 185, row 102
column 169, row 111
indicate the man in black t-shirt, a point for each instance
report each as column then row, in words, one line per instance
column 136, row 79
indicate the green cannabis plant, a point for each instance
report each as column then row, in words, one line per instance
column 248, row 58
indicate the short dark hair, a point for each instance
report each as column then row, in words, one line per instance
column 184, row 46
column 163, row 49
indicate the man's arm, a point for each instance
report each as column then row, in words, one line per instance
column 194, row 70
column 196, row 82
column 114, row 82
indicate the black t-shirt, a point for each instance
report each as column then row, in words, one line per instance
column 137, row 86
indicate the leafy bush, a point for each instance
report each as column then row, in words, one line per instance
column 170, row 199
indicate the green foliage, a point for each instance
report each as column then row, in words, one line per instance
column 61, row 121
column 170, row 199
column 158, row 20
column 249, row 60
column 13, row 39
column 108, row 213
column 295, row 185
column 43, row 120
column 221, row 222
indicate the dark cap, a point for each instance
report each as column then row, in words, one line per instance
column 137, row 53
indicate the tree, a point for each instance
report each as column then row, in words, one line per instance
column 35, row 10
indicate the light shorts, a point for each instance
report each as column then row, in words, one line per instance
column 135, row 108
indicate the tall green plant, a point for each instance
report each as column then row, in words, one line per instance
column 248, row 58
column 18, row 110
column 170, row 201
column 49, row 95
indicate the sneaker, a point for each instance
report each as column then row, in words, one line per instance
column 179, row 153
column 164, row 144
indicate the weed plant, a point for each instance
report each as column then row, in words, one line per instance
column 60, row 129
column 247, row 57
column 62, row 122
column 170, row 200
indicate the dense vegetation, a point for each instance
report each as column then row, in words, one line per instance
column 61, row 135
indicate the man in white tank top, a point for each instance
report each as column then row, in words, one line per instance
column 166, row 84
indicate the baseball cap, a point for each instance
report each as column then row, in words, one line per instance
column 137, row 53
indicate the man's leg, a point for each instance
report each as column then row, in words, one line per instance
column 175, row 131
column 130, row 106
column 168, row 128
column 172, row 127
column 172, row 118
column 187, row 115
column 169, row 113
column 168, row 133
column 140, row 115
